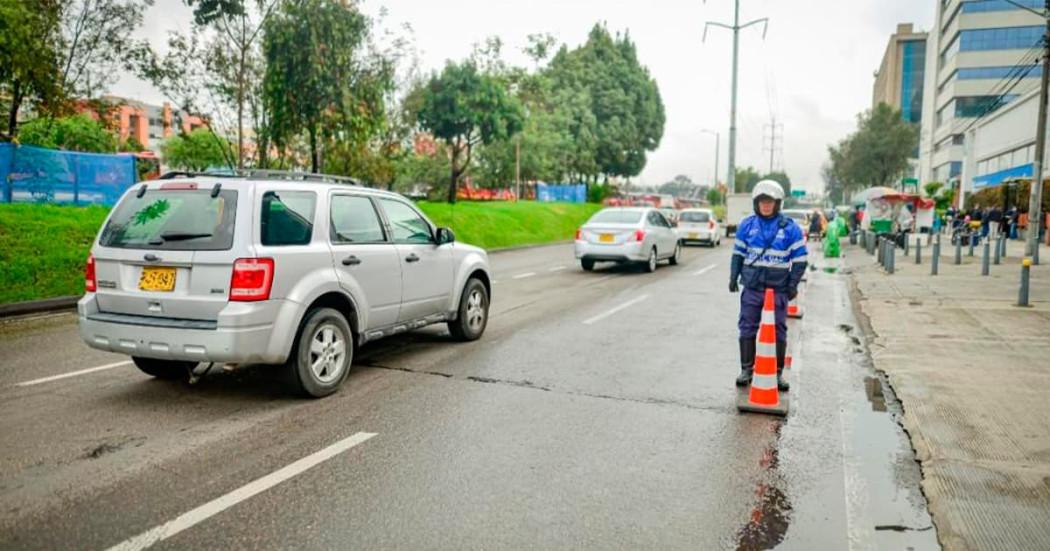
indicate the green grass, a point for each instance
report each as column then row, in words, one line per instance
column 43, row 247
column 498, row 225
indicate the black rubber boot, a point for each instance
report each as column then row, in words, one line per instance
column 781, row 354
column 747, row 361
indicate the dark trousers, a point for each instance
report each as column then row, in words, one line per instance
column 751, row 303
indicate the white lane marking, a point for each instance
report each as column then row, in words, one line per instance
column 220, row 504
column 556, row 269
column 703, row 271
column 525, row 275
column 608, row 313
column 73, row 374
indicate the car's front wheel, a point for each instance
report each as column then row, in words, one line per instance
column 323, row 353
column 171, row 370
column 473, row 316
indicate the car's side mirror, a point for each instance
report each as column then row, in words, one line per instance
column 445, row 236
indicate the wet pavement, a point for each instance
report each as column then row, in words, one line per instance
column 597, row 412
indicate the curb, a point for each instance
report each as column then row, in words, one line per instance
column 38, row 306
column 527, row 247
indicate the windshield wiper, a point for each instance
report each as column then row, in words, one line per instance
column 178, row 236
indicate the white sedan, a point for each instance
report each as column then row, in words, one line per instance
column 623, row 235
column 699, row 226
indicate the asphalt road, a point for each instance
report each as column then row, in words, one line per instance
column 598, row 411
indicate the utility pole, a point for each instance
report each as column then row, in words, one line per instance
column 517, row 167
column 1035, row 203
column 736, row 27
column 774, row 138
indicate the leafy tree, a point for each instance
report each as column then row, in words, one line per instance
column 781, row 178
column 714, row 197
column 464, row 108
column 197, row 151
column 746, row 178
column 877, row 153
column 680, row 186
column 317, row 80
column 96, row 41
column 29, row 58
column 75, row 133
column 208, row 11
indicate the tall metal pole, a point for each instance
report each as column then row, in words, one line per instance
column 517, row 167
column 1036, row 200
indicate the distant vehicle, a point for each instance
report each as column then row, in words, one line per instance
column 627, row 235
column 699, row 226
column 272, row 269
column 738, row 207
column 801, row 217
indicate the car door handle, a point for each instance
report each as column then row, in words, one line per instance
column 412, row 258
column 351, row 261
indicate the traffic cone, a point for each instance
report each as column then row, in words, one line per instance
column 794, row 309
column 763, row 396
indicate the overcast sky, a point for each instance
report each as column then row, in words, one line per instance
column 814, row 70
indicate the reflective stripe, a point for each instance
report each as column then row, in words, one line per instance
column 764, row 382
column 796, row 245
column 767, row 264
column 739, row 253
column 766, row 349
column 768, row 317
column 802, row 258
column 770, row 252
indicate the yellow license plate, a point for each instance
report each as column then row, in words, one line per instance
column 694, row 235
column 157, row 279
column 606, row 238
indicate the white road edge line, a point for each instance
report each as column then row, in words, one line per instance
column 556, row 269
column 703, row 271
column 623, row 306
column 220, row 504
column 73, row 374
column 523, row 276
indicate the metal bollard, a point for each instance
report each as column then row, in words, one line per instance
column 985, row 270
column 936, row 258
column 907, row 244
column 1006, row 242
column 958, row 250
column 881, row 252
column 973, row 242
column 1026, row 274
column 1035, row 254
column 998, row 250
column 891, row 253
column 918, row 252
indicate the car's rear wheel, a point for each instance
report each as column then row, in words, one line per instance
column 677, row 256
column 587, row 264
column 473, row 312
column 650, row 265
column 323, row 353
column 171, row 370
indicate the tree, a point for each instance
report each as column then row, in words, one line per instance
column 197, row 151
column 746, row 178
column 464, row 109
column 714, row 197
column 96, row 41
column 75, row 133
column 29, row 58
column 317, row 79
column 680, row 186
column 877, row 153
column 207, row 11
column 781, row 178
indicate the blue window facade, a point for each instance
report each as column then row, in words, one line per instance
column 1008, row 38
column 1035, row 71
column 978, row 6
column 955, row 170
column 978, row 106
column 913, row 79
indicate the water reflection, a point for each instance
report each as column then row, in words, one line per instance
column 771, row 516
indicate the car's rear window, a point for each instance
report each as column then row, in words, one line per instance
column 617, row 217
column 695, row 217
column 174, row 220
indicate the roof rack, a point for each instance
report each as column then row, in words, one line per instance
column 287, row 175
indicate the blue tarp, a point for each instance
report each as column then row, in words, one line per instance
column 997, row 178
column 36, row 175
column 546, row 193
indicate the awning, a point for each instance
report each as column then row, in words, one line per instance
column 1023, row 172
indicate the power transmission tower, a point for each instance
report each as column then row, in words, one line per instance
column 736, row 27
column 773, row 141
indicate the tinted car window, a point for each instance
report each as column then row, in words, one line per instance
column 405, row 223
column 617, row 217
column 354, row 220
column 287, row 217
column 695, row 217
column 183, row 220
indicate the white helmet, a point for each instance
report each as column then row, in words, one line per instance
column 771, row 189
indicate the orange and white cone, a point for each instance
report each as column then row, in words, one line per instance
column 794, row 309
column 764, row 397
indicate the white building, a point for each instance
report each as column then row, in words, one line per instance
column 1001, row 147
column 973, row 52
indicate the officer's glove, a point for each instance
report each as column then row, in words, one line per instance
column 733, row 286
column 792, row 293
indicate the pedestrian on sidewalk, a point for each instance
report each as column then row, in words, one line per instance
column 994, row 223
column 770, row 253
column 1011, row 222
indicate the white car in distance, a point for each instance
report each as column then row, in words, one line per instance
column 699, row 226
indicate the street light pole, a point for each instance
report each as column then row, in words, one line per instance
column 736, row 28
column 1035, row 203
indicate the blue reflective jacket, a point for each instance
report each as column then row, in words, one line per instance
column 769, row 253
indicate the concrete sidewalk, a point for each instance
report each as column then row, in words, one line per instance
column 972, row 372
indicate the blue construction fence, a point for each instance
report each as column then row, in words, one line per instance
column 573, row 193
column 37, row 175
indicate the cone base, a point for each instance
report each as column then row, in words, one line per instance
column 797, row 316
column 744, row 405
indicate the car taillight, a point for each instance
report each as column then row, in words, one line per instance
column 90, row 282
column 710, row 224
column 579, row 233
column 252, row 279
column 638, row 236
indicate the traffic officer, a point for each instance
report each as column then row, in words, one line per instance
column 770, row 253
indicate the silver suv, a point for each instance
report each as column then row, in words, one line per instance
column 272, row 268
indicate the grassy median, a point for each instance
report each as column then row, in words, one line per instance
column 43, row 247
